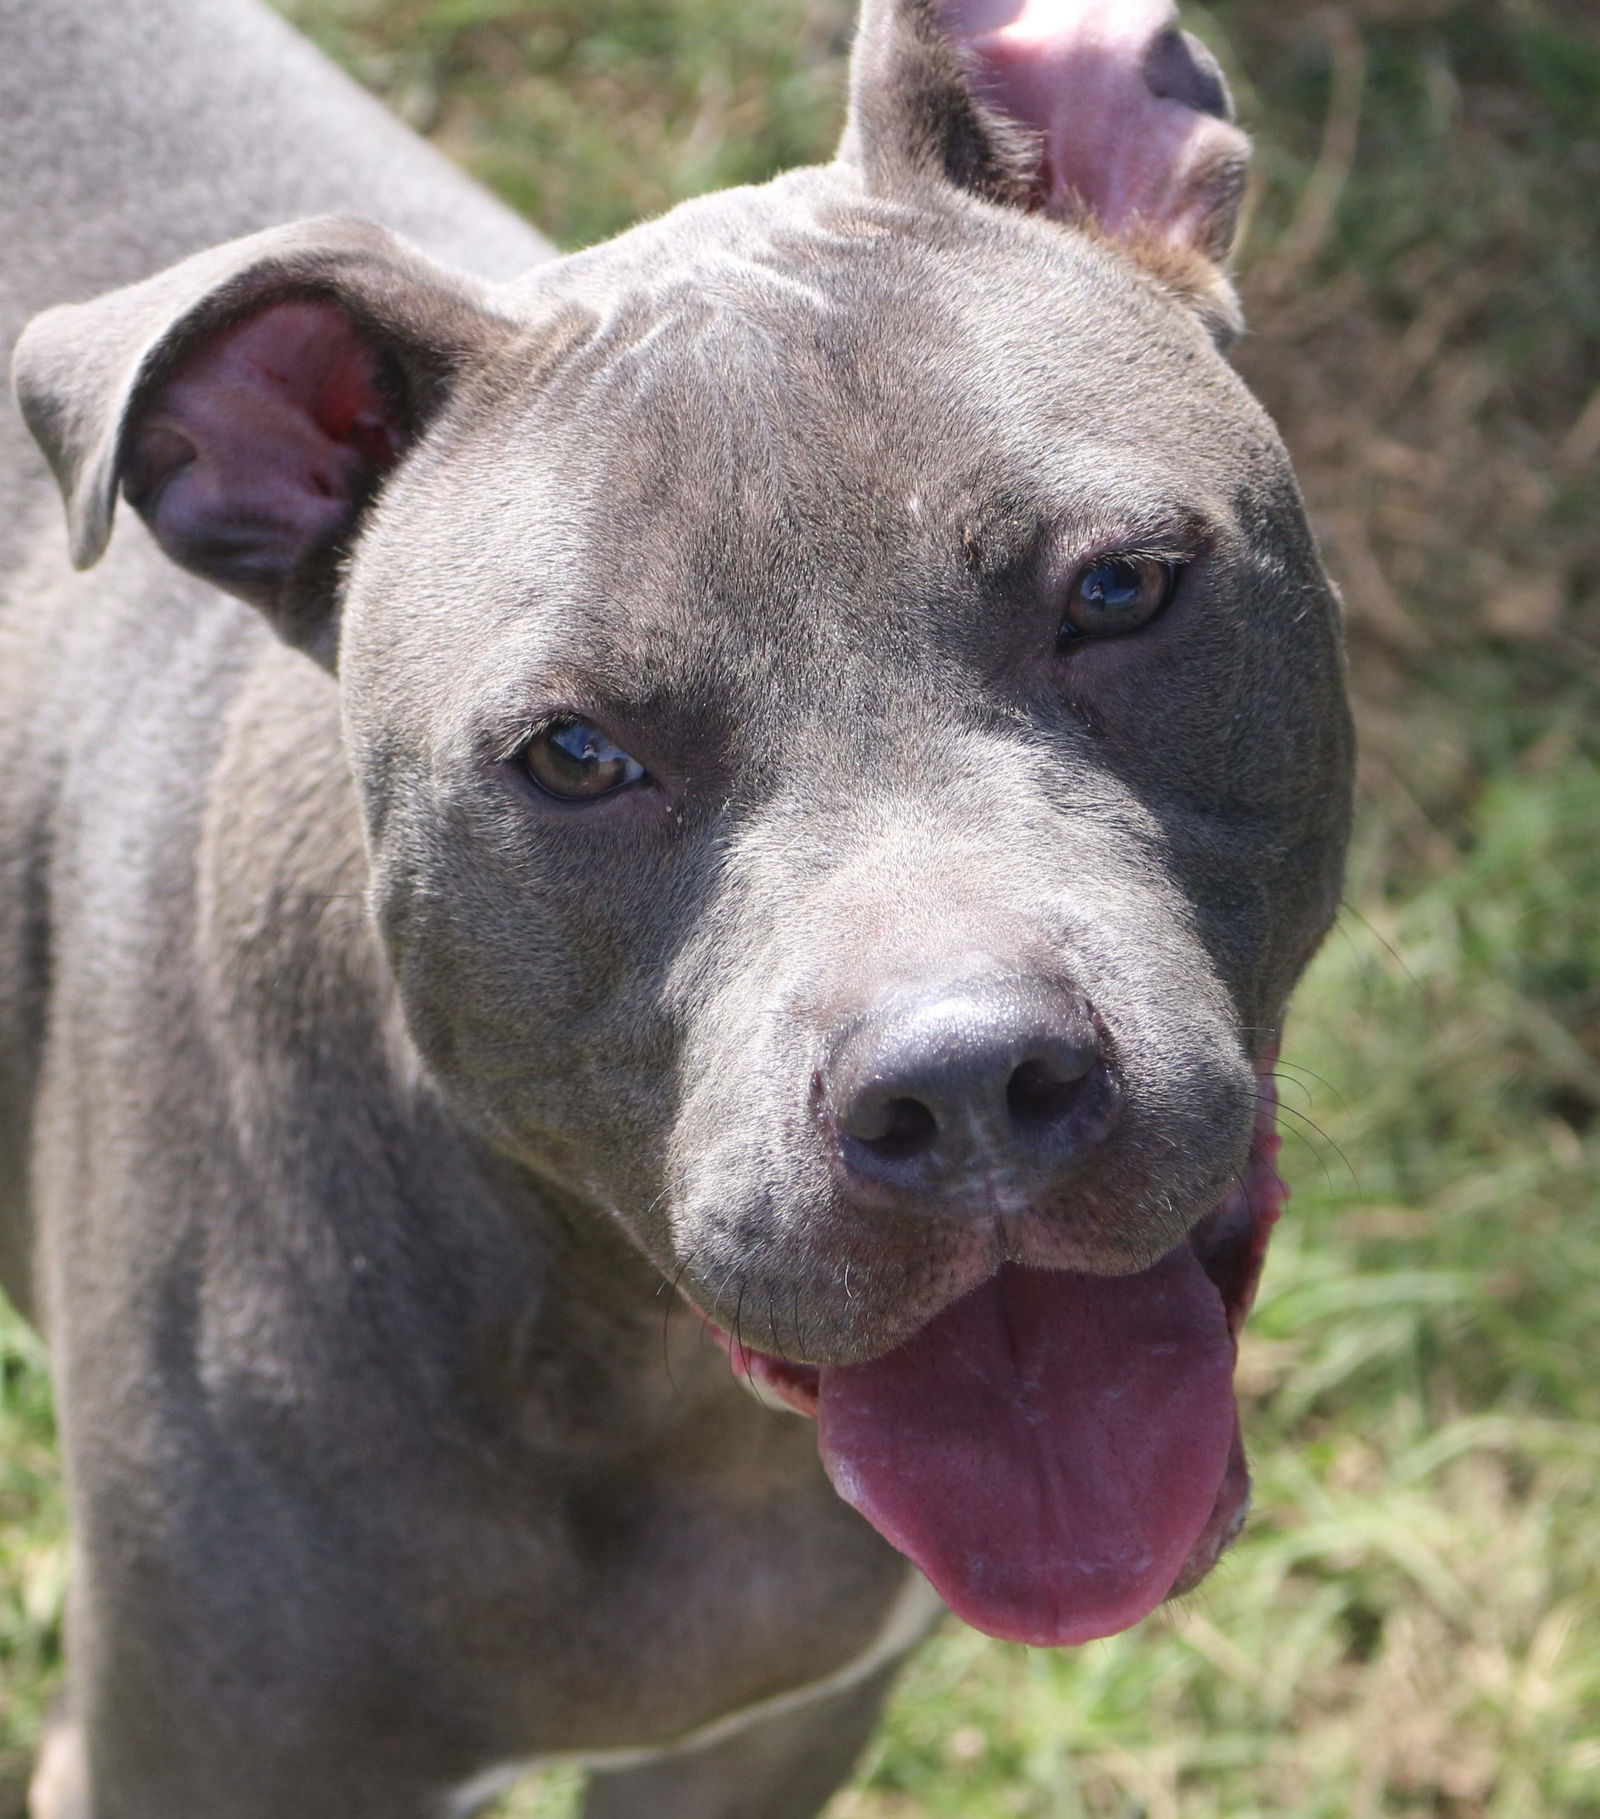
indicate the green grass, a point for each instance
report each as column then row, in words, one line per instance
column 32, row 1549
column 1411, row 1624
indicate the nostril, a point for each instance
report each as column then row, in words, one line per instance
column 899, row 1130
column 1041, row 1091
column 1035, row 1097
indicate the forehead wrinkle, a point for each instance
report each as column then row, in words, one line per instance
column 795, row 431
column 728, row 414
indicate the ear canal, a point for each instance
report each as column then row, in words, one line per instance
column 250, row 401
column 1098, row 112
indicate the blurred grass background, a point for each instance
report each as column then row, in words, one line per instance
column 1411, row 1625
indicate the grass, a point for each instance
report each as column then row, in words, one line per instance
column 33, row 1555
column 1411, row 1625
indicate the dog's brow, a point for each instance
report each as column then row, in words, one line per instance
column 1009, row 536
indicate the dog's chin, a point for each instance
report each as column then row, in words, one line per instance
column 1057, row 1450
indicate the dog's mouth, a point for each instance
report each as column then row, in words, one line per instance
column 1058, row 1452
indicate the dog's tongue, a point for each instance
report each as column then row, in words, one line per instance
column 1049, row 1449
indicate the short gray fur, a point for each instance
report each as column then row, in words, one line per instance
column 357, row 1111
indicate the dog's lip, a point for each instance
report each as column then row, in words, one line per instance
column 1230, row 1243
column 796, row 1386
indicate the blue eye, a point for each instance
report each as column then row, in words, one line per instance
column 575, row 762
column 1115, row 595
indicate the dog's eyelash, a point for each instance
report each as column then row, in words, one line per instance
column 507, row 748
column 1172, row 555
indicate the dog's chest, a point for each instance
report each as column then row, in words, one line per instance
column 572, row 1594
column 904, row 1620
column 664, row 1599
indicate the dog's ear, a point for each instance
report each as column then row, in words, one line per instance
column 250, row 401
column 1100, row 112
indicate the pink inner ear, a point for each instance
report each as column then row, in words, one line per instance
column 262, row 445
column 1085, row 75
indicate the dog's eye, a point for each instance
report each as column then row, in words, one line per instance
column 576, row 762
column 1117, row 594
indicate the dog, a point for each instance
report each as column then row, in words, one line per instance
column 732, row 812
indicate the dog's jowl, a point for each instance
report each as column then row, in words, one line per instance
column 592, row 842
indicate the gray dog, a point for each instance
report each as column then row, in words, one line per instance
column 732, row 812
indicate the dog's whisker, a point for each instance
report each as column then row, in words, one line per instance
column 673, row 1302
column 1348, row 908
column 1298, row 1085
column 1289, row 1111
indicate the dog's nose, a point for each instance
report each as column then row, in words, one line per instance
column 982, row 1091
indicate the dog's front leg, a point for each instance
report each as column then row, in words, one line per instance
column 779, row 1768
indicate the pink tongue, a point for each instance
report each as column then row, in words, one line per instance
column 1049, row 1449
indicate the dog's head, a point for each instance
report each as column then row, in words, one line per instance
column 849, row 717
